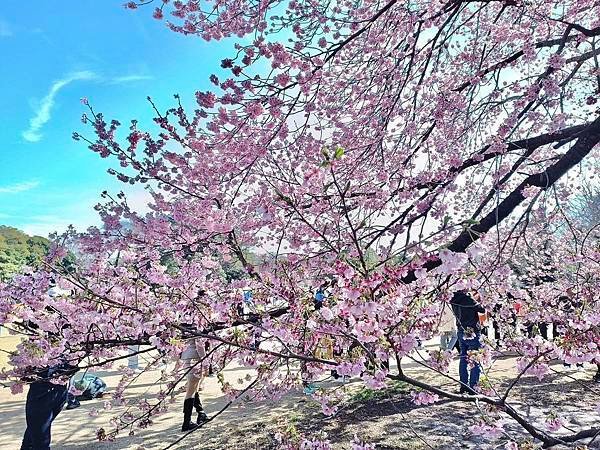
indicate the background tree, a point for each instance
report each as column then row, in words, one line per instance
column 18, row 250
column 585, row 207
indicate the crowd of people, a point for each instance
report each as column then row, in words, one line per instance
column 473, row 321
column 463, row 326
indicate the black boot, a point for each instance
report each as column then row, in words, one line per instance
column 466, row 390
column 188, row 425
column 202, row 417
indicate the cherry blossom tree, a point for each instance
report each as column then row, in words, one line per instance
column 397, row 151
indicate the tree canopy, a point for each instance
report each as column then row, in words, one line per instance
column 399, row 151
column 18, row 250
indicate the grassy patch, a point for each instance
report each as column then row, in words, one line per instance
column 365, row 394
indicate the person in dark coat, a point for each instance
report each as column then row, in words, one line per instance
column 45, row 399
column 467, row 311
column 48, row 392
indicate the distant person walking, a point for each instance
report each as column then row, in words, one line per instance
column 467, row 311
column 447, row 330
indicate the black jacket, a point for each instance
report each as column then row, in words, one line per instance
column 465, row 310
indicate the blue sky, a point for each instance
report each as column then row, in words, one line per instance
column 55, row 53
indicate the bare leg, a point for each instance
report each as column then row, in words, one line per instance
column 193, row 382
column 192, row 400
column 191, row 395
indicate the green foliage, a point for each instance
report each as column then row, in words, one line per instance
column 230, row 270
column 18, row 250
column 339, row 152
column 234, row 269
column 366, row 394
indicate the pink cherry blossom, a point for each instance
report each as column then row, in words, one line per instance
column 424, row 398
column 394, row 154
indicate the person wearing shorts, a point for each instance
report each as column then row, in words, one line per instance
column 193, row 355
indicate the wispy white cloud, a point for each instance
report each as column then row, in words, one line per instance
column 19, row 187
column 44, row 110
column 68, row 208
column 130, row 78
column 80, row 216
column 45, row 228
column 5, row 29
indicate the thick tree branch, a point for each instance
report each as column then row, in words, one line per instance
column 588, row 138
